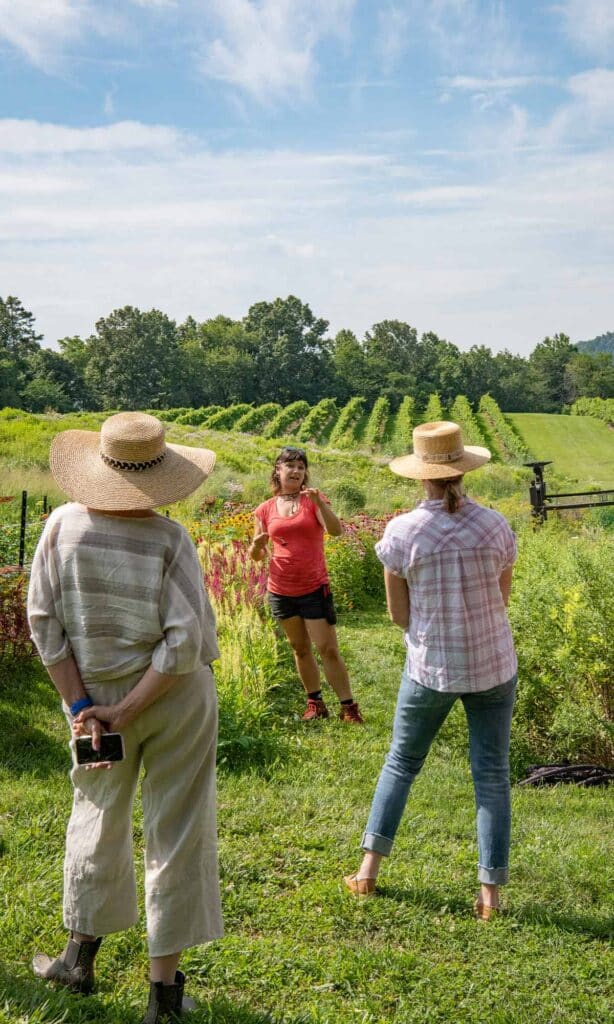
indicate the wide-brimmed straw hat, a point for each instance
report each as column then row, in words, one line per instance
column 439, row 453
column 128, row 465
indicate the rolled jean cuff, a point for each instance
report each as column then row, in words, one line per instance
column 493, row 876
column 376, row 844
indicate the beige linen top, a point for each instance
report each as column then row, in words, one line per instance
column 119, row 594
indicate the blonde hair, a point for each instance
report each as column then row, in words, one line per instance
column 453, row 493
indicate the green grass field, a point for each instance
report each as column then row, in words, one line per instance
column 580, row 447
column 299, row 949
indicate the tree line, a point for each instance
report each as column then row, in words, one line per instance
column 279, row 352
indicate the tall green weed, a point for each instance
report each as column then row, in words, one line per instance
column 562, row 615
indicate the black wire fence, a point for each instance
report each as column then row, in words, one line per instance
column 22, row 518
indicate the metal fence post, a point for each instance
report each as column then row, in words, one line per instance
column 22, row 528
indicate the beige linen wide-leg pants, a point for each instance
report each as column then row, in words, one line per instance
column 175, row 741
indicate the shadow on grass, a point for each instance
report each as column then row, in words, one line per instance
column 25, row 701
column 29, row 998
column 570, row 921
column 26, row 997
column 534, row 914
column 429, row 899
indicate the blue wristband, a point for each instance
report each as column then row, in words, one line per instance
column 79, row 705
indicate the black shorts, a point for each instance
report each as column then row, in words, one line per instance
column 316, row 605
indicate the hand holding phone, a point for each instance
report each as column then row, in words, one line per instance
column 111, row 749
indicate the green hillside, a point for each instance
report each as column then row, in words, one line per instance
column 581, row 448
column 604, row 343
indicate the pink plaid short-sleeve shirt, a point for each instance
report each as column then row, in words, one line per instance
column 459, row 638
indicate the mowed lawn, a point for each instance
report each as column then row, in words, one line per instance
column 299, row 948
column 581, row 448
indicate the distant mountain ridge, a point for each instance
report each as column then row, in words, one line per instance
column 604, row 343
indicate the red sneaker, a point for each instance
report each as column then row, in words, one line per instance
column 315, row 709
column 351, row 713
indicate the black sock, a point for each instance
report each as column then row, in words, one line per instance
column 316, row 695
column 348, row 700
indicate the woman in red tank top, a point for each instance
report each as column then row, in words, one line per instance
column 295, row 519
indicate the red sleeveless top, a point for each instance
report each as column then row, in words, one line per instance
column 297, row 564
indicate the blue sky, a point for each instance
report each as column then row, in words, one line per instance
column 446, row 162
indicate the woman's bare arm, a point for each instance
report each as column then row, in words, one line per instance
column 397, row 598
column 324, row 512
column 257, row 548
column 66, row 678
column 150, row 687
column 505, row 583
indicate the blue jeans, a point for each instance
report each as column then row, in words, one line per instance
column 419, row 715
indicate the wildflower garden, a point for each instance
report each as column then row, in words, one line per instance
column 293, row 799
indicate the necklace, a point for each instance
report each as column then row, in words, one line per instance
column 294, row 500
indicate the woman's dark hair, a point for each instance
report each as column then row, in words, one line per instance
column 288, row 454
column 453, row 493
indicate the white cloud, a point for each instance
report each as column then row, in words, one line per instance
column 507, row 83
column 482, row 252
column 595, row 91
column 590, row 24
column 108, row 105
column 156, row 4
column 450, row 195
column 28, row 137
column 470, row 33
column 39, row 27
column 590, row 111
column 393, row 25
column 267, row 49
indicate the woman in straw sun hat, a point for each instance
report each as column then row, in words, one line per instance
column 448, row 572
column 119, row 613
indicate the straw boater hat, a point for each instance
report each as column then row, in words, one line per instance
column 439, row 453
column 128, row 465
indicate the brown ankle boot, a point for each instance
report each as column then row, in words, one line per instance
column 73, row 968
column 166, row 1002
column 315, row 709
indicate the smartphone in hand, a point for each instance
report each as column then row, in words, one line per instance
column 111, row 748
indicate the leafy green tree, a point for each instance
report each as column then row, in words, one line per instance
column 134, row 361
column 479, row 373
column 63, row 373
column 589, row 376
column 349, row 368
column 292, row 354
column 548, row 361
column 18, row 341
column 219, row 364
column 42, row 393
column 437, row 369
column 391, row 361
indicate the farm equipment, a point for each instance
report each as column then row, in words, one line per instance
column 542, row 503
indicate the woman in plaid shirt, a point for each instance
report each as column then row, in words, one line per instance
column 448, row 571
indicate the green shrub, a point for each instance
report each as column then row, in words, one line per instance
column 287, row 420
column 376, row 424
column 198, row 417
column 344, row 557
column 509, row 445
column 225, row 419
column 462, row 413
column 253, row 420
column 343, row 431
column 403, row 426
column 434, row 410
column 562, row 612
column 318, row 420
column 347, row 497
column 600, row 408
